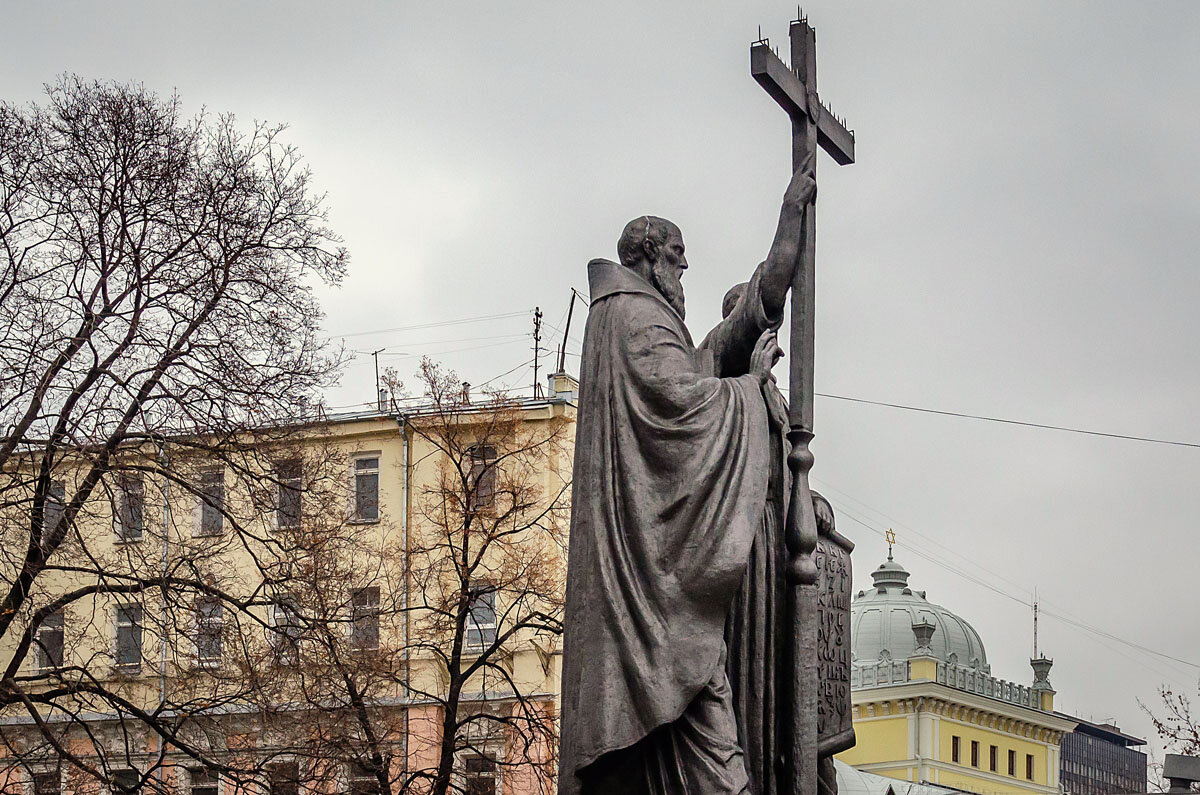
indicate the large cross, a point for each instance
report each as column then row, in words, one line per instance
column 813, row 127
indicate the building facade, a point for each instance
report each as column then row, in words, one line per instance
column 318, row 620
column 1100, row 759
column 925, row 704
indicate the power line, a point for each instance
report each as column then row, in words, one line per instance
column 1010, row 422
column 437, row 324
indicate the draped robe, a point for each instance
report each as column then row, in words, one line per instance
column 670, row 480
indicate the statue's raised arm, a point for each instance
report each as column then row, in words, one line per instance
column 761, row 307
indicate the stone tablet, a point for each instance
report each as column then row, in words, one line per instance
column 835, row 724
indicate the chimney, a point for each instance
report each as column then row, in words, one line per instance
column 562, row 388
column 383, row 394
column 466, row 391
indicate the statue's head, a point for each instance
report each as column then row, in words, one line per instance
column 732, row 297
column 653, row 247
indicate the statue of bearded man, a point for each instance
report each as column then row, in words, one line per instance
column 672, row 462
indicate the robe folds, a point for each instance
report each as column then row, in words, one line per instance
column 670, row 480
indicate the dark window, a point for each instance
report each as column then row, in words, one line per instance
column 481, row 621
column 366, row 489
column 955, row 749
column 212, row 502
column 1029, row 766
column 362, row 780
column 974, row 753
column 287, row 514
column 204, row 781
column 482, row 479
column 364, row 627
column 131, row 506
column 126, row 781
column 284, row 778
column 49, row 641
column 479, row 775
column 209, row 636
column 1012, row 763
column 46, row 783
column 129, row 637
column 993, row 753
column 286, row 632
column 52, row 507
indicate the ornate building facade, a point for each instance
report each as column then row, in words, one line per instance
column 927, row 707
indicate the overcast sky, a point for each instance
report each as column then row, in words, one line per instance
column 1018, row 239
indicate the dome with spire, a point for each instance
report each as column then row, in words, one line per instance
column 890, row 619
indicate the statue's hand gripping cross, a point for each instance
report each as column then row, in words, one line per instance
column 813, row 125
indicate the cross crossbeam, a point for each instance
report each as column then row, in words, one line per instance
column 786, row 88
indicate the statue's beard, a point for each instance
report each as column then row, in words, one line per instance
column 662, row 275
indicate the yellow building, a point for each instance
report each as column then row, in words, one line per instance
column 927, row 708
column 263, row 592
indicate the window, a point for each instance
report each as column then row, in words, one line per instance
column 126, row 781
column 482, row 479
column 364, row 625
column 287, row 506
column 955, row 749
column 48, row 650
column 212, row 502
column 993, row 753
column 286, row 632
column 974, row 753
column 366, row 489
column 1029, row 766
column 1012, row 762
column 205, row 781
column 361, row 780
column 131, row 507
column 209, row 615
column 46, row 783
column 129, row 637
column 479, row 775
column 284, row 778
column 481, row 621
column 52, row 507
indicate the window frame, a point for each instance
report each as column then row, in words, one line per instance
column 483, row 776
column 128, row 485
column 285, row 643
column 1012, row 762
column 118, row 610
column 479, row 635
column 1029, row 767
column 212, row 784
column 290, row 486
column 208, row 625
column 956, row 749
column 41, row 649
column 367, row 612
column 481, row 478
column 357, row 773
column 356, row 472
column 36, row 777
column 993, row 758
column 210, row 476
column 274, row 780
column 116, row 774
column 975, row 753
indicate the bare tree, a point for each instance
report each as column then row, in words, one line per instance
column 486, row 571
column 158, row 341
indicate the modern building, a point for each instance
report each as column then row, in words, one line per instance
column 1100, row 759
column 927, row 708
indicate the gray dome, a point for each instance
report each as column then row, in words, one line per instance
column 882, row 619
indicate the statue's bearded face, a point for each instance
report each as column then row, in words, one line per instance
column 666, row 271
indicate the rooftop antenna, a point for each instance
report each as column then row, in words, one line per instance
column 562, row 349
column 537, row 348
column 1035, row 620
column 377, row 389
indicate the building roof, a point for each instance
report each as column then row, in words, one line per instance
column 852, row 781
column 882, row 619
column 1106, row 731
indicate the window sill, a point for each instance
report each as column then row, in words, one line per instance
column 124, row 541
column 357, row 520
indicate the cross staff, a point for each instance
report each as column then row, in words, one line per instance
column 813, row 126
